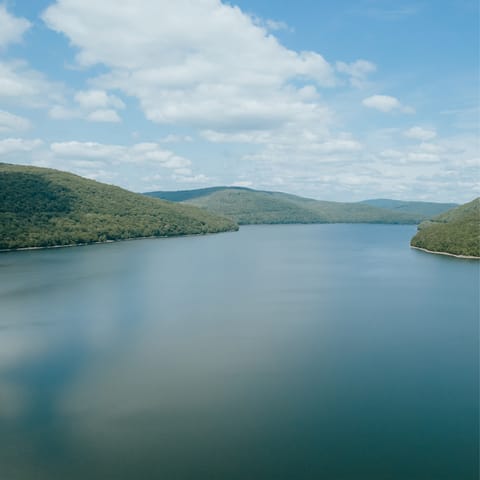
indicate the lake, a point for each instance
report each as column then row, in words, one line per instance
column 297, row 352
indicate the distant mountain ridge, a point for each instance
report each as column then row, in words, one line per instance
column 248, row 206
column 456, row 232
column 41, row 207
column 184, row 195
column 429, row 209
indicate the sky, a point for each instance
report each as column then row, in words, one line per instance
column 343, row 100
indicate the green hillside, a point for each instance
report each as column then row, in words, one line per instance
column 456, row 231
column 246, row 206
column 427, row 209
column 41, row 207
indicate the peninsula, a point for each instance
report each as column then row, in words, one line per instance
column 41, row 207
column 455, row 232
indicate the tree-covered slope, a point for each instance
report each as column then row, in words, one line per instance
column 456, row 231
column 247, row 206
column 42, row 207
column 427, row 209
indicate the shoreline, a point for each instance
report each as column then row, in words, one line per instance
column 70, row 245
column 468, row 257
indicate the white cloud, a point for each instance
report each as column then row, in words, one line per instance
column 60, row 112
column 358, row 71
column 92, row 105
column 339, row 168
column 306, row 156
column 89, row 150
column 137, row 154
column 17, row 145
column 11, row 28
column 294, row 157
column 10, row 122
column 386, row 103
column 420, row 133
column 213, row 68
column 20, row 85
column 105, row 115
column 307, row 127
column 347, row 170
column 130, row 166
column 221, row 72
column 97, row 99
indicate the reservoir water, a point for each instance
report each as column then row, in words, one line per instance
column 296, row 352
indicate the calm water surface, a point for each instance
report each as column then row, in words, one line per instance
column 279, row 352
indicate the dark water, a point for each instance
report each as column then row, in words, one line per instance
column 279, row 352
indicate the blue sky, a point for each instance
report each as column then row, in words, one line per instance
column 341, row 100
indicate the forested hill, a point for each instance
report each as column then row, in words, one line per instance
column 42, row 207
column 247, row 206
column 428, row 209
column 456, row 232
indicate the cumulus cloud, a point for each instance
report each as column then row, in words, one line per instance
column 96, row 99
column 105, row 115
column 11, row 28
column 386, row 103
column 10, row 122
column 21, row 85
column 420, row 133
column 16, row 145
column 217, row 71
column 107, row 162
column 213, row 68
column 139, row 153
column 92, row 105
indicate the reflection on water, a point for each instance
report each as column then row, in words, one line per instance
column 278, row 352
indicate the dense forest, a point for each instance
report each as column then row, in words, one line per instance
column 247, row 206
column 456, row 231
column 427, row 209
column 42, row 207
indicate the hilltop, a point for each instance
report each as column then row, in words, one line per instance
column 456, row 232
column 248, row 206
column 41, row 207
